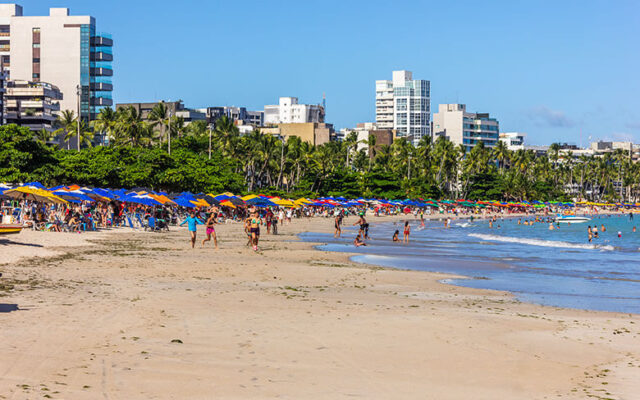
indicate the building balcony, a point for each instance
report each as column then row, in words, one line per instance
column 101, row 101
column 102, row 40
column 12, row 117
column 101, row 87
column 101, row 71
column 101, row 56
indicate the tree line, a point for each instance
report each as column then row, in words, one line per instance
column 163, row 152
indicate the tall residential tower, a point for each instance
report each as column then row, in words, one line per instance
column 60, row 49
column 404, row 105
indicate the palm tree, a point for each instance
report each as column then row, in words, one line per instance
column 159, row 117
column 227, row 133
column 372, row 148
column 501, row 153
column 86, row 135
column 66, row 124
column 106, row 122
column 133, row 130
column 43, row 136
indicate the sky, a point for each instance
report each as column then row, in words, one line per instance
column 560, row 71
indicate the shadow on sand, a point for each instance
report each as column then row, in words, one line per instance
column 7, row 308
column 7, row 242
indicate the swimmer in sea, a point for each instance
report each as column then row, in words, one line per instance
column 395, row 236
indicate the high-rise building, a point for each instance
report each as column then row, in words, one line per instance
column 462, row 127
column 61, row 49
column 32, row 104
column 404, row 105
column 288, row 111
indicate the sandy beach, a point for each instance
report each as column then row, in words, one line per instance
column 140, row 315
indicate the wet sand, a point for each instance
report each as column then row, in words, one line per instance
column 134, row 315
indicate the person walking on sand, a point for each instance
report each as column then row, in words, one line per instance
column 211, row 230
column 255, row 230
column 193, row 223
column 407, row 232
column 247, row 230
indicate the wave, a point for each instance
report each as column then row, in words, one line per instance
column 540, row 242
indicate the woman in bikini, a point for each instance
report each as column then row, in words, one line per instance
column 407, row 232
column 255, row 230
column 211, row 230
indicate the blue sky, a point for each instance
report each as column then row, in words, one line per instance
column 557, row 70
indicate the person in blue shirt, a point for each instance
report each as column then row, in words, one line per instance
column 193, row 223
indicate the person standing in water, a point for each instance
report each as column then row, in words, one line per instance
column 590, row 233
column 338, row 225
column 364, row 226
column 193, row 222
column 407, row 232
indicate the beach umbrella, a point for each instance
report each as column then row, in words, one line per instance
column 72, row 196
column 227, row 203
column 284, row 203
column 34, row 194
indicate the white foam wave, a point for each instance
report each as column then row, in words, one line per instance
column 540, row 242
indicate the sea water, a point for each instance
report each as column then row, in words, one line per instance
column 552, row 267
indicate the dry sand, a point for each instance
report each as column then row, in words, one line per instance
column 134, row 315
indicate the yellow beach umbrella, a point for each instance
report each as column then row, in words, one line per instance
column 35, row 194
column 284, row 202
column 249, row 197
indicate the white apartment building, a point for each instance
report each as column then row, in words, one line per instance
column 462, row 127
column 288, row 110
column 363, row 130
column 513, row 140
column 60, row 49
column 404, row 105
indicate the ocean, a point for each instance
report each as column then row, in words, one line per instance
column 551, row 267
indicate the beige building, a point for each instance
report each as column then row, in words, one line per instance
column 310, row 132
column 461, row 127
column 34, row 105
column 61, row 49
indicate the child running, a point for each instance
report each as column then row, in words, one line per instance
column 211, row 230
column 193, row 222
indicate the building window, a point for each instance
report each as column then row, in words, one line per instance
column 36, row 75
column 36, row 60
column 36, row 45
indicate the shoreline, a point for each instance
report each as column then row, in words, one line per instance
column 289, row 321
